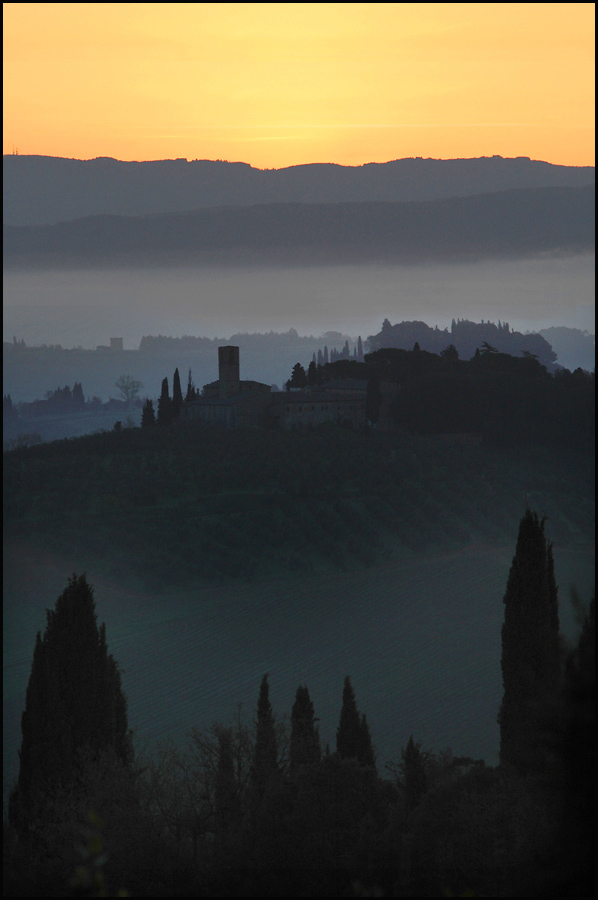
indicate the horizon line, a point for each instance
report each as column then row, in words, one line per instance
column 297, row 165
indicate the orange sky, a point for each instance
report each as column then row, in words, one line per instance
column 279, row 84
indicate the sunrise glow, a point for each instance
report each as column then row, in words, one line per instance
column 282, row 84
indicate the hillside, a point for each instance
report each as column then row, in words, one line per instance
column 41, row 190
column 508, row 224
column 217, row 559
column 192, row 503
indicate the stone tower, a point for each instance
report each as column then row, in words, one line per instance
column 228, row 371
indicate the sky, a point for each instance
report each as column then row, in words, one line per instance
column 281, row 84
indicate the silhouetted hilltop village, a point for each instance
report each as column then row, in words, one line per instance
column 409, row 375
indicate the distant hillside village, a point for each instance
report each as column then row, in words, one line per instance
column 474, row 378
column 236, row 403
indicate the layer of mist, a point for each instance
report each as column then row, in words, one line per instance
column 84, row 308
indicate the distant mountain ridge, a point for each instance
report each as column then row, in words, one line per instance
column 40, row 190
column 507, row 224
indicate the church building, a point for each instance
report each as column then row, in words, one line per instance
column 250, row 404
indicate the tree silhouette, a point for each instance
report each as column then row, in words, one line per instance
column 191, row 394
column 488, row 348
column 74, row 702
column 177, row 394
column 227, row 801
column 414, row 774
column 305, row 741
column 148, row 417
column 298, row 378
column 353, row 739
column 366, row 755
column 264, row 759
column 530, row 649
column 312, row 373
column 78, row 398
column 450, row 352
column 164, row 405
column 128, row 387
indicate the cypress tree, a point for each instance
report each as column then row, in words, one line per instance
column 74, row 701
column 78, row 398
column 164, row 405
column 226, row 798
column 148, row 417
column 414, row 774
column 349, row 731
column 305, row 741
column 530, row 649
column 312, row 373
column 264, row 757
column 191, row 394
column 177, row 394
column 366, row 755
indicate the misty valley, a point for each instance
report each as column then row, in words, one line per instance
column 298, row 528
column 313, row 553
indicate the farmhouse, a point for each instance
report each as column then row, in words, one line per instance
column 236, row 404
column 230, row 401
column 341, row 401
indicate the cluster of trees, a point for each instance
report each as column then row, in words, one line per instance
column 263, row 811
column 60, row 400
column 67, row 400
column 322, row 357
column 503, row 398
column 168, row 407
column 464, row 335
column 9, row 411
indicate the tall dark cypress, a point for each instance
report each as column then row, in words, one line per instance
column 366, row 755
column 164, row 405
column 349, row 731
column 226, row 798
column 530, row 649
column 74, row 701
column 148, row 417
column 414, row 774
column 177, row 394
column 264, row 758
column 305, row 741
column 191, row 394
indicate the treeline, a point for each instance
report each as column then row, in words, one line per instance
column 162, row 344
column 264, row 810
column 506, row 400
column 465, row 336
column 62, row 400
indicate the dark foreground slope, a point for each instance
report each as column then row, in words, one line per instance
column 189, row 504
column 509, row 224
column 219, row 556
column 40, row 190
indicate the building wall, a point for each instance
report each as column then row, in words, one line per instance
column 312, row 411
column 228, row 370
column 241, row 404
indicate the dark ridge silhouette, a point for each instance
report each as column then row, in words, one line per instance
column 507, row 224
column 40, row 190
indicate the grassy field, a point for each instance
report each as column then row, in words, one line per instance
column 420, row 637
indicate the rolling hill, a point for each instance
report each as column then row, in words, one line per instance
column 507, row 224
column 40, row 190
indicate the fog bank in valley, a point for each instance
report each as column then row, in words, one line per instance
column 80, row 307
